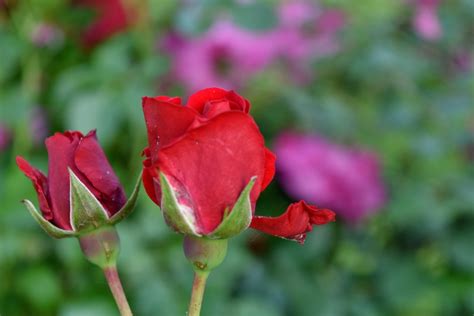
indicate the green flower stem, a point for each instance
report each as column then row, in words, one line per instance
column 199, row 285
column 205, row 255
column 115, row 285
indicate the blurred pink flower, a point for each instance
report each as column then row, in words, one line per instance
column 425, row 21
column 46, row 35
column 5, row 137
column 225, row 56
column 463, row 60
column 306, row 32
column 38, row 126
column 345, row 180
column 295, row 13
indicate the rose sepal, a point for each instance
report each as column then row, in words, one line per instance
column 177, row 215
column 239, row 218
column 47, row 226
column 87, row 213
column 129, row 206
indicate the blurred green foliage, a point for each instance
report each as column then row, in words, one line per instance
column 386, row 90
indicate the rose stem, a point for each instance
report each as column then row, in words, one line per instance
column 199, row 285
column 115, row 285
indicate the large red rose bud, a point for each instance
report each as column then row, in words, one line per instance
column 206, row 165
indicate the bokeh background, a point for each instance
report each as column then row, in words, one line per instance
column 368, row 104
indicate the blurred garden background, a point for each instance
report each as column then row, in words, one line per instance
column 369, row 106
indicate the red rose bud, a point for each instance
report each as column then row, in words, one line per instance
column 81, row 193
column 206, row 165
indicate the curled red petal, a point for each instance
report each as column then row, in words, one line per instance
column 322, row 217
column 270, row 159
column 163, row 98
column 295, row 222
column 238, row 102
column 40, row 183
column 91, row 161
column 166, row 121
column 199, row 99
column 217, row 107
column 207, row 100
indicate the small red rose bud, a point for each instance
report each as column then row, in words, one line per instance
column 82, row 197
column 81, row 192
column 86, row 212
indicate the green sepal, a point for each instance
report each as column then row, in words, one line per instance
column 129, row 206
column 48, row 227
column 239, row 218
column 179, row 217
column 87, row 214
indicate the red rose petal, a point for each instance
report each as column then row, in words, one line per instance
column 173, row 100
column 295, row 222
column 61, row 148
column 40, row 183
column 270, row 159
column 214, row 163
column 236, row 100
column 148, row 178
column 322, row 217
column 202, row 99
column 198, row 100
column 215, row 108
column 165, row 121
column 91, row 161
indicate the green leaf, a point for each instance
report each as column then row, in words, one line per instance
column 87, row 213
column 178, row 216
column 52, row 230
column 239, row 218
column 129, row 206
